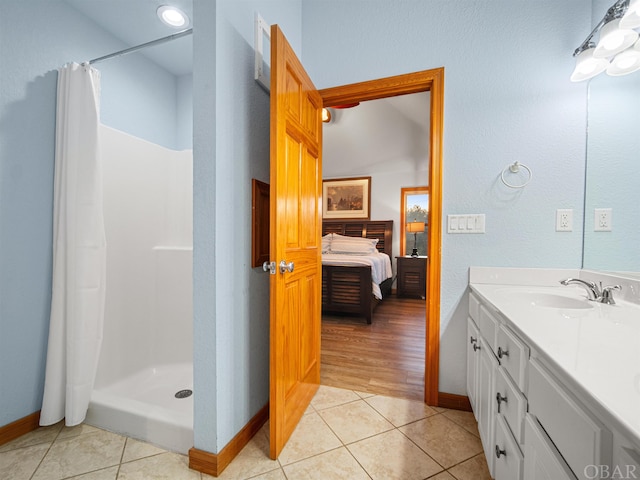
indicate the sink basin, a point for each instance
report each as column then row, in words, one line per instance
column 546, row 299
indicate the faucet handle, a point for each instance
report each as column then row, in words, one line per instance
column 607, row 294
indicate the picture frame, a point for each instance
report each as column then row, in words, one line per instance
column 345, row 198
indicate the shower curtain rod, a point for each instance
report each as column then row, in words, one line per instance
column 159, row 41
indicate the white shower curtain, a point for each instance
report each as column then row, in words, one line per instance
column 79, row 250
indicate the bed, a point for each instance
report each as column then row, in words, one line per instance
column 348, row 280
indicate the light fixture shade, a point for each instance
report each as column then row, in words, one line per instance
column 625, row 62
column 172, row 16
column 326, row 115
column 415, row 227
column 631, row 18
column 614, row 39
column 587, row 66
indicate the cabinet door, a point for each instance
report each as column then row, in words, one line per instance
column 486, row 401
column 473, row 353
column 541, row 459
column 509, row 460
column 580, row 437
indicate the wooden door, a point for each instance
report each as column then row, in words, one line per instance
column 295, row 212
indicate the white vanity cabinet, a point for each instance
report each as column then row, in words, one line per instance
column 498, row 403
column 535, row 422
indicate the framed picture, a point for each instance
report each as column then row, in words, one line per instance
column 346, row 198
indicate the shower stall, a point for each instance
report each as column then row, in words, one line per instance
column 145, row 371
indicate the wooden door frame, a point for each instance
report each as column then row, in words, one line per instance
column 433, row 82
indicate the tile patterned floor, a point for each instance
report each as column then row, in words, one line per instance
column 343, row 435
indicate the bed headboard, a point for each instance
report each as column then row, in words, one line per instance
column 380, row 229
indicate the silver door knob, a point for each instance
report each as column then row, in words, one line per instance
column 286, row 267
column 269, row 267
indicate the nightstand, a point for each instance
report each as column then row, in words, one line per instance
column 412, row 273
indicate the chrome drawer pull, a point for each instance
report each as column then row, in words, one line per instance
column 502, row 353
column 473, row 340
column 476, row 347
column 500, row 452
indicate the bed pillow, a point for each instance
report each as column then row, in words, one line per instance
column 326, row 243
column 353, row 245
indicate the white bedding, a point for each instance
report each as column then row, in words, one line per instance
column 379, row 262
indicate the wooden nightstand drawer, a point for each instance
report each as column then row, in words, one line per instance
column 412, row 272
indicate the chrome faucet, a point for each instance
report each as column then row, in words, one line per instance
column 595, row 294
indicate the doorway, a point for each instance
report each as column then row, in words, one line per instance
column 433, row 82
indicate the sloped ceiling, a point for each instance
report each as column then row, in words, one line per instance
column 135, row 22
column 377, row 136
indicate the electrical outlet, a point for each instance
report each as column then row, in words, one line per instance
column 602, row 220
column 564, row 220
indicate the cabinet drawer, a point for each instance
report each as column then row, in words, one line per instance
column 474, row 307
column 509, row 459
column 511, row 403
column 581, row 439
column 541, row 459
column 488, row 325
column 513, row 354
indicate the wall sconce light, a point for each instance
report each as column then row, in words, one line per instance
column 415, row 228
column 618, row 47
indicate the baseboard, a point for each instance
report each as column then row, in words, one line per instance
column 19, row 427
column 454, row 402
column 214, row 464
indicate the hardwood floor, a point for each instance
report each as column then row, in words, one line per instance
column 386, row 357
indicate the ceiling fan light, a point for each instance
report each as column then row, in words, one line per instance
column 614, row 39
column 631, row 18
column 587, row 66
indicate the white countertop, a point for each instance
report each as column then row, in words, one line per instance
column 597, row 349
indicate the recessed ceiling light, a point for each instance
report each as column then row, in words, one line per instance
column 172, row 16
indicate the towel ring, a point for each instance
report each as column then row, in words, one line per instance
column 515, row 168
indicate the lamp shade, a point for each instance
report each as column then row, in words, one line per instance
column 631, row 18
column 614, row 39
column 415, row 227
column 587, row 66
column 625, row 62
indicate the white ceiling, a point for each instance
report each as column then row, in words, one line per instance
column 390, row 134
column 135, row 22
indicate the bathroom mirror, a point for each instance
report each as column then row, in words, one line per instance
column 613, row 174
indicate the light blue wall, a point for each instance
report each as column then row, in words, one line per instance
column 184, row 117
column 140, row 98
column 36, row 38
column 507, row 98
column 231, row 146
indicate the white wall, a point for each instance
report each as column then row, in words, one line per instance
column 507, row 97
column 147, row 204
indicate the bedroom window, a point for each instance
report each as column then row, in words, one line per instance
column 414, row 207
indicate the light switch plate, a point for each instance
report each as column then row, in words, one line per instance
column 467, row 223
